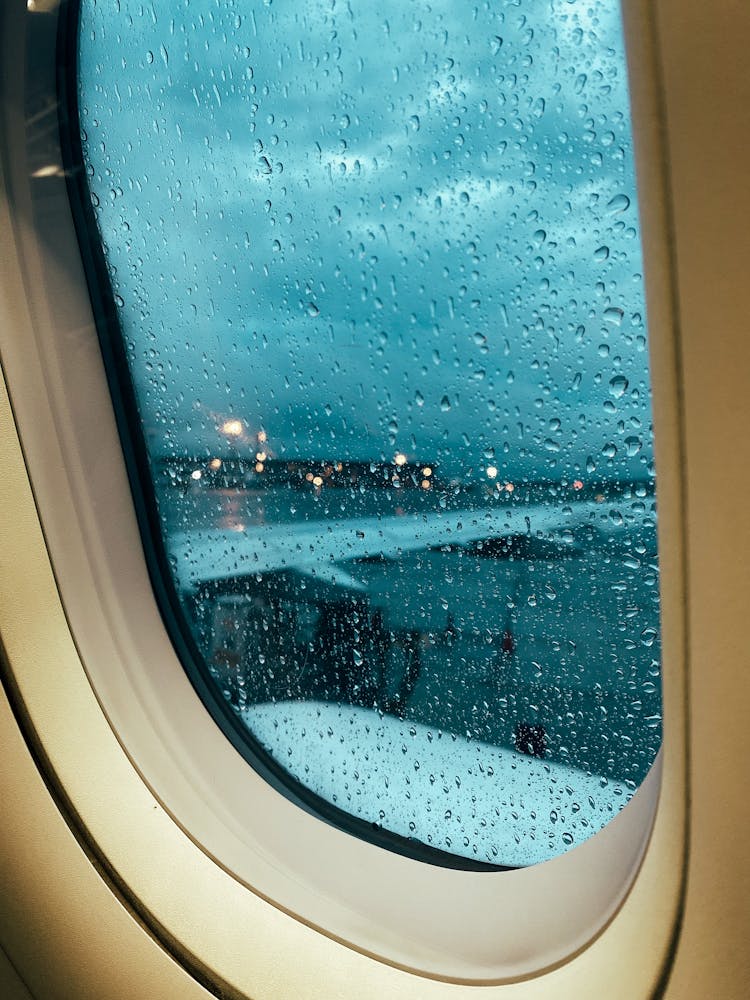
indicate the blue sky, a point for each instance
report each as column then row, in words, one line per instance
column 368, row 228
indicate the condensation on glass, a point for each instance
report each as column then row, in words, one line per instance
column 378, row 272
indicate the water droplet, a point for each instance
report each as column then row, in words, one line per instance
column 614, row 315
column 620, row 203
column 445, row 404
column 649, row 636
column 602, row 253
column 632, row 446
column 618, row 386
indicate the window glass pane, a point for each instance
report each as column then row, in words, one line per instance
column 378, row 274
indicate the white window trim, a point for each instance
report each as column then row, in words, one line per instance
column 245, row 844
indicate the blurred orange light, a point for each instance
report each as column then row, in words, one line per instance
column 232, row 428
column 577, row 484
column 259, row 466
column 400, row 458
column 509, row 487
column 215, row 463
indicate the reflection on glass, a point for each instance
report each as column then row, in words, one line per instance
column 378, row 272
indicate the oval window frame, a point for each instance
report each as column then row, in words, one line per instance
column 110, row 614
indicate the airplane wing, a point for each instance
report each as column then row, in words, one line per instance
column 506, row 824
column 323, row 549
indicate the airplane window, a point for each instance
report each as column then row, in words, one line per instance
column 376, row 276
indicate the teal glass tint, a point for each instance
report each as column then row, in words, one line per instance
column 378, row 276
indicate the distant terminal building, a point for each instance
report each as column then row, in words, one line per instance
column 301, row 474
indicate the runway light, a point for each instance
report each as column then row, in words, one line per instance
column 491, row 472
column 577, row 484
column 309, row 477
column 215, row 463
column 427, row 471
column 259, row 466
column 232, row 428
column 261, row 456
column 317, row 481
column 399, row 458
column 509, row 487
column 196, row 474
column 425, row 484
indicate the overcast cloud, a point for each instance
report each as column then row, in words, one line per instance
column 367, row 227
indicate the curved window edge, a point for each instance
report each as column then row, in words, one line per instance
column 25, row 424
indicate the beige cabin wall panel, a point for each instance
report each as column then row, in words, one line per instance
column 707, row 102
column 65, row 932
